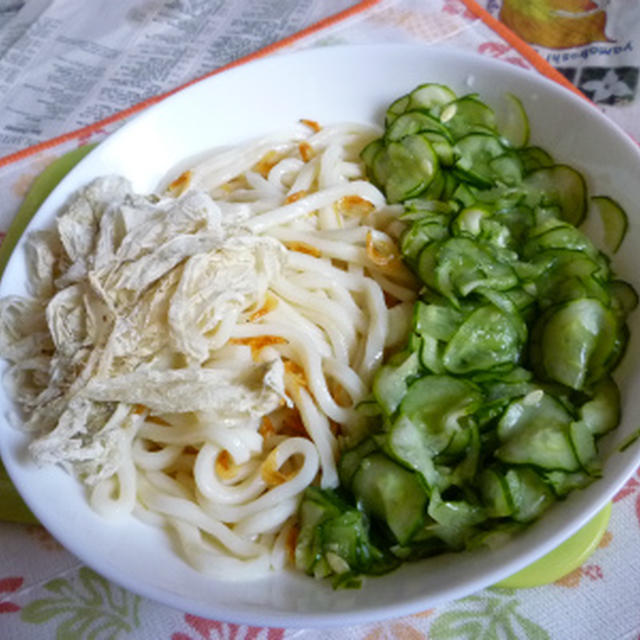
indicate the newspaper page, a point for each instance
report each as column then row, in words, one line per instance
column 595, row 44
column 65, row 64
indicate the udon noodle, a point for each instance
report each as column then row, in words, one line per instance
column 196, row 358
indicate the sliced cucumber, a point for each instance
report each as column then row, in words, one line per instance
column 562, row 483
column 334, row 539
column 495, row 405
column 412, row 165
column 514, row 122
column 558, row 185
column 438, row 405
column 419, row 234
column 409, row 445
column 534, row 430
column 584, row 446
column 477, row 151
column 534, row 158
column 602, row 412
column 371, row 150
column 579, row 341
column 391, row 381
column 564, row 237
column 412, row 122
column 606, row 223
column 624, row 296
column 495, row 492
column 395, row 495
column 431, row 97
column 468, row 115
column 486, row 339
column 530, row 494
column 351, row 459
column 507, row 169
column 436, row 321
column 463, row 265
column 455, row 519
column 470, row 219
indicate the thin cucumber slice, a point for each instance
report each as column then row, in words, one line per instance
column 624, row 295
column 396, row 108
column 470, row 219
column 534, row 430
column 442, row 146
column 559, row 185
column 438, row 405
column 350, row 460
column 471, row 449
column 431, row 97
column 343, row 538
column 405, row 178
column 333, row 539
column 456, row 518
column 533, row 158
column 391, row 493
column 561, row 275
column 507, row 169
column 468, row 115
column 431, row 354
column 381, row 166
column 370, row 151
column 601, row 413
column 578, row 342
column 476, row 151
column 545, row 447
column 416, row 208
column 463, row 265
column 606, row 223
column 418, row 235
column 530, row 494
column 487, row 338
column 409, row 446
column 513, row 122
column 412, row 122
column 562, row 483
column 426, row 265
column 436, row 321
column 316, row 507
column 436, row 186
column 536, row 409
column 458, row 443
column 562, row 236
column 391, row 381
column 495, row 492
column 412, row 166
column 584, row 446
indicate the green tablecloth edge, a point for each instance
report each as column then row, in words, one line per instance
column 12, row 507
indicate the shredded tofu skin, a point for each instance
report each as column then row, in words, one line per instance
column 195, row 358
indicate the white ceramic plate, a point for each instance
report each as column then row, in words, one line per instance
column 327, row 85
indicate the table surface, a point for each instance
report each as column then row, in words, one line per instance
column 45, row 592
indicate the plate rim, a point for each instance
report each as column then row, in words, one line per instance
column 290, row 618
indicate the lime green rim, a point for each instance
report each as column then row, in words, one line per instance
column 42, row 186
column 12, row 507
column 565, row 558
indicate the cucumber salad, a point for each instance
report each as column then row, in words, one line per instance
column 494, row 407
